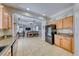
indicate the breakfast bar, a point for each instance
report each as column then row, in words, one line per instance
column 7, row 48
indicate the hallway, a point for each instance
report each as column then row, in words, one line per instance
column 37, row 47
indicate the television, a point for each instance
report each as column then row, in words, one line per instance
column 27, row 28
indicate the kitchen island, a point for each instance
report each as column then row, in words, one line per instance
column 8, row 46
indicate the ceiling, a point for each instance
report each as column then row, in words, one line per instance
column 42, row 8
column 29, row 22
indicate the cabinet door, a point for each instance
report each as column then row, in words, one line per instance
column 57, row 40
column 5, row 19
column 72, row 45
column 67, row 22
column 59, row 24
column 10, row 22
column 66, row 43
column 1, row 10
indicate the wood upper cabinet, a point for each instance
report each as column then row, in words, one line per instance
column 68, row 22
column 59, row 24
column 1, row 14
column 10, row 21
column 5, row 20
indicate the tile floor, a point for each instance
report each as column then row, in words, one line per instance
column 37, row 47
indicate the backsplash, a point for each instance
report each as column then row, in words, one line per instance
column 65, row 31
column 5, row 32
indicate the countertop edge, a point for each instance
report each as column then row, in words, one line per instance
column 7, row 47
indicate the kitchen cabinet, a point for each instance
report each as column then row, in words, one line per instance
column 10, row 22
column 1, row 12
column 72, row 45
column 5, row 17
column 64, row 42
column 59, row 24
column 12, row 51
column 68, row 22
column 57, row 40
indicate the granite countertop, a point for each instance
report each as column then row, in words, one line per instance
column 8, row 43
column 66, row 34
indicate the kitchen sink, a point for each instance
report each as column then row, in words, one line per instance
column 1, row 48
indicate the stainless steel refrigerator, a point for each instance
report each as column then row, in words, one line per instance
column 50, row 31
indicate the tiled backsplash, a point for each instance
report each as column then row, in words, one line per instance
column 5, row 32
column 65, row 31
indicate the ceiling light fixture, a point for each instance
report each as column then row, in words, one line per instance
column 44, row 14
column 40, row 17
column 27, row 8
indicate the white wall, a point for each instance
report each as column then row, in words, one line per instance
column 62, row 14
column 76, row 37
column 13, row 26
column 76, row 29
column 43, row 29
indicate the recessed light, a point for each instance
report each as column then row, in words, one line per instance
column 44, row 14
column 40, row 17
column 27, row 8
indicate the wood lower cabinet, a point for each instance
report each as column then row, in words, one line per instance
column 57, row 40
column 64, row 42
column 72, row 45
